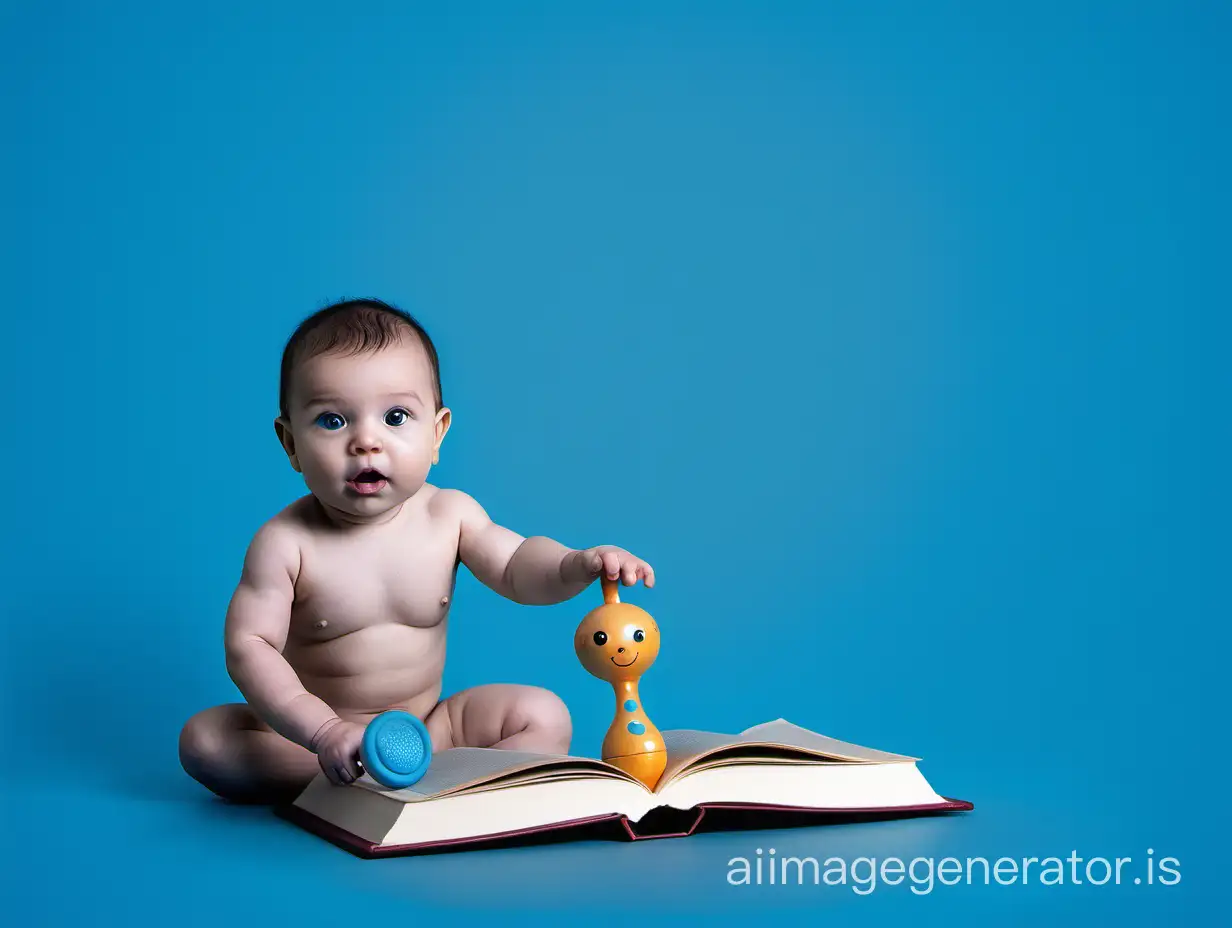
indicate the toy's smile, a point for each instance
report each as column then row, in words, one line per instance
column 619, row 664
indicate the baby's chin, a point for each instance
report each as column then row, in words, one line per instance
column 362, row 505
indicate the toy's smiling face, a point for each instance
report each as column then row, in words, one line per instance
column 617, row 641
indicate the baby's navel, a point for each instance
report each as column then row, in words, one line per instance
column 322, row 623
column 444, row 600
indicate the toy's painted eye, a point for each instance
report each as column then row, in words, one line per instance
column 639, row 635
column 397, row 417
column 600, row 638
column 331, row 421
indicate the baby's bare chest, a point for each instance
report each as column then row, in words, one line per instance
column 347, row 584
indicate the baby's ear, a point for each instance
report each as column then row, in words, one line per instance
column 282, row 429
column 443, row 419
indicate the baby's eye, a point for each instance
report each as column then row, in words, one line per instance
column 397, row 417
column 600, row 638
column 331, row 421
column 639, row 635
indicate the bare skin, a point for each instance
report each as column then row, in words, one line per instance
column 342, row 607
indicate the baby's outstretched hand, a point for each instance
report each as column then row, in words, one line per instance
column 611, row 562
column 338, row 752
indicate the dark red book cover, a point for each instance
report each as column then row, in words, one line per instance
column 663, row 822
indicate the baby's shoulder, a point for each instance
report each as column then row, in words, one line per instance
column 277, row 546
column 290, row 528
column 452, row 505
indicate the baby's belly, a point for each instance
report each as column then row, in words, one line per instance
column 373, row 669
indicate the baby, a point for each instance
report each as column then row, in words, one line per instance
column 341, row 608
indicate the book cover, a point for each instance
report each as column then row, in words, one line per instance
column 773, row 775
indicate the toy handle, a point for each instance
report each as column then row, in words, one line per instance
column 611, row 591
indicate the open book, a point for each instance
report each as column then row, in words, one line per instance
column 777, row 772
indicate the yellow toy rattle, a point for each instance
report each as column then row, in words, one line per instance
column 618, row 642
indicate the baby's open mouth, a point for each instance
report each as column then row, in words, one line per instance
column 367, row 481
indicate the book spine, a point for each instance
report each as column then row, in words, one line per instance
column 664, row 822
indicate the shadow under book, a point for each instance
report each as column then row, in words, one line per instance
column 772, row 775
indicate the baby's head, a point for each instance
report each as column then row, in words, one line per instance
column 360, row 408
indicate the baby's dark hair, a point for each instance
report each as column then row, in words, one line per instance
column 352, row 326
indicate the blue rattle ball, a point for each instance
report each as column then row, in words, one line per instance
column 396, row 749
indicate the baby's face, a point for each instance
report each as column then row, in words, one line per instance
column 364, row 427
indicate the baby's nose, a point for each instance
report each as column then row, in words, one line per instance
column 365, row 444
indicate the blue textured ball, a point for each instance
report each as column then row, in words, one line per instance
column 396, row 750
column 400, row 746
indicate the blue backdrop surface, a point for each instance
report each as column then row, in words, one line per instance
column 893, row 335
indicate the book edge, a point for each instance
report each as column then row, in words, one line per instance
column 370, row 850
column 313, row 823
column 821, row 756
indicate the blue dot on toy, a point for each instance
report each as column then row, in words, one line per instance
column 630, row 705
column 637, row 728
column 396, row 749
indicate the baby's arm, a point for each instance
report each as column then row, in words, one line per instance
column 536, row 570
column 257, row 624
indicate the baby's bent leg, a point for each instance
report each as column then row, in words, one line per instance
column 502, row 715
column 228, row 750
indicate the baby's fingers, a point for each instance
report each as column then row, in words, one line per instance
column 628, row 573
column 341, row 771
column 611, row 565
column 647, row 574
column 352, row 768
column 331, row 773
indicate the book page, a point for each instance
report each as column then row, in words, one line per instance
column 774, row 742
column 462, row 769
column 835, row 785
column 473, row 769
column 783, row 732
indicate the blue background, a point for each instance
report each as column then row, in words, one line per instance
column 894, row 338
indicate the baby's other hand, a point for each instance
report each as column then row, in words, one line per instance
column 612, row 562
column 338, row 752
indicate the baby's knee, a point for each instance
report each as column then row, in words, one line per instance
column 200, row 744
column 547, row 713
